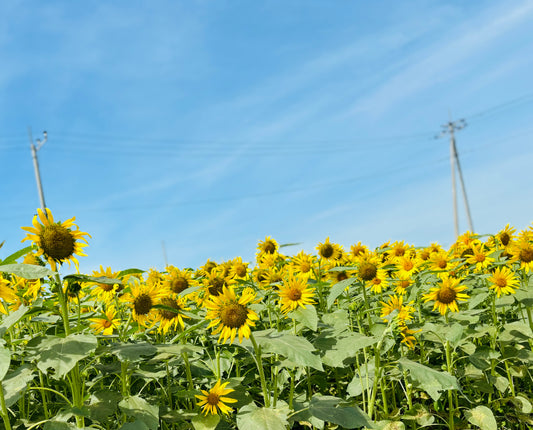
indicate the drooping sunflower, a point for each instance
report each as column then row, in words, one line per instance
column 57, row 242
column 107, row 322
column 295, row 292
column 503, row 281
column 230, row 315
column 172, row 319
column 213, row 401
column 142, row 299
column 447, row 295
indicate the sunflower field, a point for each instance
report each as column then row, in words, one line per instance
column 399, row 337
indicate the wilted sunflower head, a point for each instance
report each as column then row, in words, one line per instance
column 56, row 241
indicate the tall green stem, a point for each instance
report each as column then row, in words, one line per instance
column 5, row 414
column 258, row 362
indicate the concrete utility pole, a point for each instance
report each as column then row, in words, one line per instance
column 450, row 128
column 34, row 150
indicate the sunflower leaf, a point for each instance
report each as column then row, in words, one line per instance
column 481, row 417
column 252, row 417
column 140, row 409
column 333, row 410
column 13, row 257
column 5, row 360
column 337, row 289
column 15, row 383
column 27, row 271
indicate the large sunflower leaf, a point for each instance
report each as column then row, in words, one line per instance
column 15, row 383
column 62, row 353
column 11, row 319
column 252, row 417
column 140, row 409
column 306, row 316
column 337, row 289
column 297, row 349
column 482, row 417
column 333, row 410
column 5, row 361
column 430, row 380
column 27, row 271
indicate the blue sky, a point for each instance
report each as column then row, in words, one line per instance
column 211, row 124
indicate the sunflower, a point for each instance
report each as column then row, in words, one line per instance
column 268, row 246
column 105, row 292
column 303, row 263
column 177, row 280
column 30, row 288
column 446, row 295
column 503, row 280
column 32, row 258
column 215, row 281
column 238, row 269
column 57, row 242
column 405, row 266
column 480, row 257
column 171, row 319
column 407, row 335
column 402, row 283
column 439, row 261
column 358, row 249
column 142, row 299
column 379, row 282
column 328, row 250
column 107, row 322
column 368, row 267
column 231, row 315
column 294, row 292
column 7, row 294
column 212, row 401
column 405, row 312
column 523, row 253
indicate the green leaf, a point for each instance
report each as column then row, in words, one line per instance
column 205, row 422
column 15, row 383
column 135, row 425
column 306, row 316
column 140, row 409
column 27, row 271
column 337, row 289
column 95, row 279
column 297, row 349
column 332, row 410
column 59, row 425
column 103, row 403
column 361, row 381
column 126, row 272
column 516, row 332
column 251, row 417
column 389, row 425
column 5, row 361
column 11, row 319
column 430, row 380
column 62, row 353
column 16, row 255
column 522, row 404
column 482, row 417
column 338, row 347
column 133, row 351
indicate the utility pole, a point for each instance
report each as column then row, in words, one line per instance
column 449, row 128
column 34, row 150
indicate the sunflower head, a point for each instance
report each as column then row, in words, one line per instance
column 57, row 241
column 214, row 400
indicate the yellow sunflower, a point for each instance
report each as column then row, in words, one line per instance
column 446, row 295
column 358, row 249
column 522, row 252
column 172, row 319
column 231, row 315
column 369, row 265
column 405, row 312
column 238, row 269
column 177, row 280
column 142, row 299
column 57, row 242
column 106, row 323
column 105, row 292
column 7, row 295
column 295, row 292
column 213, row 401
column 503, row 280
column 379, row 282
column 480, row 257
column 328, row 250
column 268, row 246
column 303, row 263
column 405, row 266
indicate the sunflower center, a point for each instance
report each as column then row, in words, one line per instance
column 234, row 315
column 505, row 238
column 442, row 264
column 326, row 250
column 240, row 270
column 305, row 267
column 526, row 255
column 367, row 271
column 210, row 265
column 294, row 294
column 269, row 247
column 501, row 282
column 169, row 303
column 480, row 258
column 408, row 265
column 213, row 399
column 106, row 287
column 142, row 304
column 179, row 284
column 106, row 323
column 404, row 283
column 57, row 242
column 399, row 252
column 447, row 295
column 216, row 286
column 262, row 275
column 341, row 276
column 424, row 255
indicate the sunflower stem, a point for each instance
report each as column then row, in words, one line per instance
column 258, row 362
column 5, row 414
column 449, row 366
